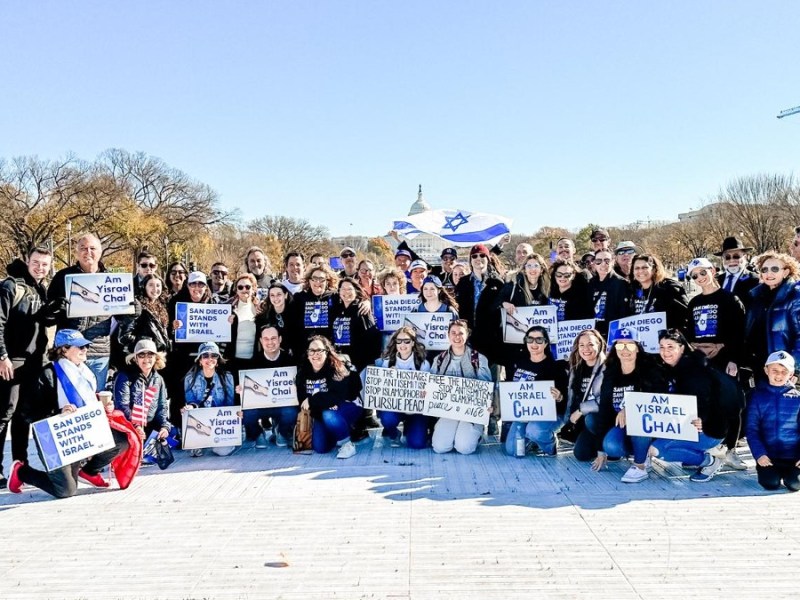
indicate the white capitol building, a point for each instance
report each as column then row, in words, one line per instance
column 428, row 246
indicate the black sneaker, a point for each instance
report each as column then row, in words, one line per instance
column 3, row 482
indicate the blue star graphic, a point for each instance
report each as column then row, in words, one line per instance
column 454, row 223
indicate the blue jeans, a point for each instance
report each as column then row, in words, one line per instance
column 415, row 427
column 284, row 416
column 99, row 366
column 688, row 453
column 617, row 444
column 334, row 426
column 541, row 433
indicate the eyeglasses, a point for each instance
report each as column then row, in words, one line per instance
column 563, row 275
column 403, row 341
column 218, row 272
column 177, row 272
column 626, row 251
column 314, row 351
column 319, row 279
column 732, row 256
column 701, row 273
column 533, row 267
column 347, row 255
column 629, row 346
column 478, row 255
column 209, row 355
column 600, row 239
column 244, row 287
column 773, row 268
column 148, row 265
column 145, row 355
column 539, row 341
column 602, row 261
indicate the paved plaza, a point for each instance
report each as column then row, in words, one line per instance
column 401, row 524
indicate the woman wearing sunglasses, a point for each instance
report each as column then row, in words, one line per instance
column 773, row 317
column 653, row 291
column 140, row 392
column 716, row 328
column 328, row 386
column 609, row 293
column 569, row 291
column 176, row 278
column 209, row 384
column 536, row 363
column 405, row 353
column 688, row 373
column 245, row 310
column 628, row 369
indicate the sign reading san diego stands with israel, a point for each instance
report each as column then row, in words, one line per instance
column 96, row 294
column 202, row 322
column 69, row 437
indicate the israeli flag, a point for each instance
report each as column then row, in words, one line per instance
column 459, row 227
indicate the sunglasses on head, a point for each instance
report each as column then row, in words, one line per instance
column 148, row 265
column 538, row 340
column 700, row 273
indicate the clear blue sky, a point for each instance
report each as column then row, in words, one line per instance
column 553, row 113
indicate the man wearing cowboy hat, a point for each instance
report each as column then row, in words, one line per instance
column 735, row 276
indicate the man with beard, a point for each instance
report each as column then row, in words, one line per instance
column 736, row 277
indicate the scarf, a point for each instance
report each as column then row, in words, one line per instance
column 75, row 384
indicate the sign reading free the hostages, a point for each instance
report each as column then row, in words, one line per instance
column 96, row 294
column 417, row 392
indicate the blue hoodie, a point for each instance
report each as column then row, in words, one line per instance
column 773, row 428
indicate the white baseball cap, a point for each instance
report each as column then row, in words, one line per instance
column 699, row 263
column 781, row 358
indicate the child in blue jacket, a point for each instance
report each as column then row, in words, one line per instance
column 773, row 428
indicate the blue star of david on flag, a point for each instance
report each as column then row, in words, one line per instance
column 454, row 223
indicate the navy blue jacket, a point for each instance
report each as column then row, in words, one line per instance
column 772, row 422
column 782, row 316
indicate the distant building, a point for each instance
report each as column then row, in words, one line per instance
column 694, row 214
column 428, row 247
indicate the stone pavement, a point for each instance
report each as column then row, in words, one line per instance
column 401, row 524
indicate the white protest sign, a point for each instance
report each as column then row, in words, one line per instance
column 69, row 437
column 268, row 388
column 527, row 401
column 394, row 390
column 665, row 416
column 96, row 294
column 431, row 328
column 390, row 311
column 648, row 325
column 214, row 427
column 525, row 317
column 458, row 398
column 567, row 332
column 202, row 322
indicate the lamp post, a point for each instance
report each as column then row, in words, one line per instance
column 69, row 243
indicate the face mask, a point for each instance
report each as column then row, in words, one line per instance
column 733, row 269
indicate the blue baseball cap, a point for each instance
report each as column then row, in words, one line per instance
column 70, row 337
column 625, row 334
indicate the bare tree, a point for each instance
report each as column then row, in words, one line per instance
column 290, row 233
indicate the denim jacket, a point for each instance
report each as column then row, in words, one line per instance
column 222, row 392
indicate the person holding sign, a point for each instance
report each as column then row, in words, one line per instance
column 536, row 363
column 773, row 425
column 405, row 353
column 328, row 386
column 652, row 291
column 460, row 360
column 140, row 392
column 65, row 385
column 271, row 356
column 688, row 373
column 628, row 369
column 208, row 385
column 354, row 333
column 586, row 363
column 392, row 281
column 434, row 297
column 569, row 294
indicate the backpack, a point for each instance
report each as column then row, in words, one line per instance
column 474, row 359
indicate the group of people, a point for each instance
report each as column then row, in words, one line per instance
column 734, row 345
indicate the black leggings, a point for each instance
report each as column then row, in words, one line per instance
column 782, row 469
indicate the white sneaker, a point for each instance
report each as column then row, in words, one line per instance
column 348, row 450
column 733, row 461
column 707, row 471
column 634, row 475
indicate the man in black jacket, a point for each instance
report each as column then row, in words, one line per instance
column 735, row 276
column 23, row 339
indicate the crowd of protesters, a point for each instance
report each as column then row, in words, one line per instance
column 732, row 340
